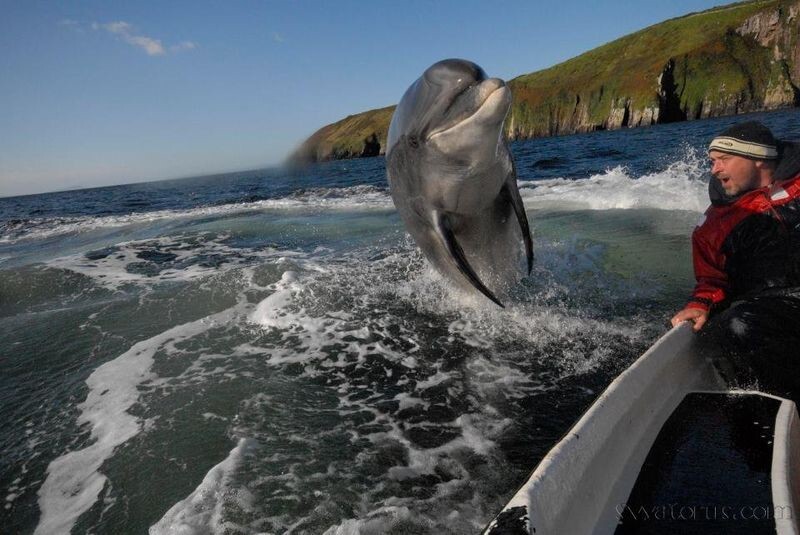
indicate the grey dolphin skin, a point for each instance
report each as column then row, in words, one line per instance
column 453, row 181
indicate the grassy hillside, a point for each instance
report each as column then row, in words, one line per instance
column 726, row 60
column 346, row 138
column 685, row 68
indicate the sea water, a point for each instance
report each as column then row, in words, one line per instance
column 268, row 352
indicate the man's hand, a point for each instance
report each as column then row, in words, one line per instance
column 697, row 315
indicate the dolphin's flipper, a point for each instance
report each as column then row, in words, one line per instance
column 519, row 209
column 445, row 231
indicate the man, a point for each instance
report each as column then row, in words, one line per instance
column 747, row 258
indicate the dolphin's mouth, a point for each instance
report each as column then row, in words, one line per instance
column 487, row 100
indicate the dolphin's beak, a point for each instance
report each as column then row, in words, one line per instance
column 492, row 99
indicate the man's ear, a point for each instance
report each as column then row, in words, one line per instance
column 764, row 164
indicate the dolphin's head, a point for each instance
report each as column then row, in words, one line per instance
column 449, row 122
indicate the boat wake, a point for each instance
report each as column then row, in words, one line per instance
column 418, row 386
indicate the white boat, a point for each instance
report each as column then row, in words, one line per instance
column 667, row 448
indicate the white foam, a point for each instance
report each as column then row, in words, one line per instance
column 285, row 312
column 377, row 522
column 113, row 271
column 379, row 514
column 201, row 511
column 681, row 186
column 73, row 481
column 438, row 378
column 406, row 401
column 539, row 320
column 488, row 375
column 332, row 318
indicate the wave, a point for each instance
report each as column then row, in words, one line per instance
column 201, row 511
column 74, row 481
column 354, row 198
column 178, row 258
column 683, row 185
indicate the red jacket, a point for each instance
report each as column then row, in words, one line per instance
column 748, row 246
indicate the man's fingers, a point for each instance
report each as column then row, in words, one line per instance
column 681, row 316
column 699, row 322
column 695, row 315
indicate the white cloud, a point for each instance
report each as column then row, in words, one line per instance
column 278, row 38
column 153, row 47
column 185, row 45
column 127, row 32
column 119, row 28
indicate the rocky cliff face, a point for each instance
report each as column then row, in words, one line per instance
column 728, row 60
column 777, row 30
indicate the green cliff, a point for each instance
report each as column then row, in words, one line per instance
column 733, row 59
column 348, row 138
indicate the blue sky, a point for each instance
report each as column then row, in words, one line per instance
column 98, row 93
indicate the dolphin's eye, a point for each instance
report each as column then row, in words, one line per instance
column 413, row 142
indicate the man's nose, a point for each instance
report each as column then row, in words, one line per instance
column 716, row 167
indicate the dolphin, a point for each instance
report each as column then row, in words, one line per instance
column 452, row 177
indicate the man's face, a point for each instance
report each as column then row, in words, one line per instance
column 736, row 173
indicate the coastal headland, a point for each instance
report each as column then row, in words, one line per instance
column 727, row 60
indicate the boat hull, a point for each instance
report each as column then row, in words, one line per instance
column 578, row 486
